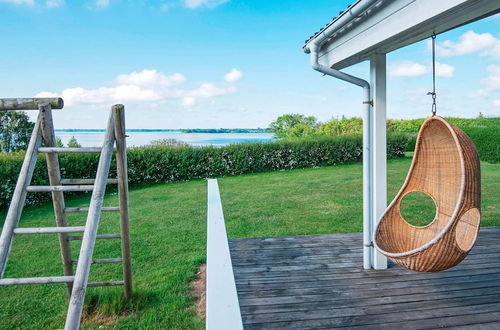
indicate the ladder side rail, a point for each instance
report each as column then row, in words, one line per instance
column 53, row 168
column 91, row 226
column 19, row 197
column 122, row 174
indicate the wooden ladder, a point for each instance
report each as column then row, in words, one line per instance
column 43, row 132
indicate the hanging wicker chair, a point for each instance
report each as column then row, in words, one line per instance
column 446, row 167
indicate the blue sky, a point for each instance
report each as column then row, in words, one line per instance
column 221, row 63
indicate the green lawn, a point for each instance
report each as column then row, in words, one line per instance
column 168, row 235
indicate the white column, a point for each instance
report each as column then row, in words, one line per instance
column 378, row 149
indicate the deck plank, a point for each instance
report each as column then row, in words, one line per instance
column 317, row 281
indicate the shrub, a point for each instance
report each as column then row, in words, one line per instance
column 170, row 164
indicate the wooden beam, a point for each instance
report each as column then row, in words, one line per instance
column 107, row 283
column 86, row 150
column 101, row 261
column 54, row 171
column 89, row 236
column 85, row 181
column 222, row 309
column 18, row 198
column 86, row 209
column 59, row 188
column 49, row 230
column 30, row 103
column 37, row 280
column 122, row 172
column 101, row 236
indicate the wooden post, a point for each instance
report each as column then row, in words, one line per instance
column 122, row 169
column 17, row 204
column 49, row 140
column 89, row 236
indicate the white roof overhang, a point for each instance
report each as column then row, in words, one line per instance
column 387, row 25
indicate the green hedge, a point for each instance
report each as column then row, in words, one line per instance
column 171, row 164
column 484, row 132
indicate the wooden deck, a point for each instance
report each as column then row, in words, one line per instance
column 317, row 281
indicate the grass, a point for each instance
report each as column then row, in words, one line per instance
column 168, row 235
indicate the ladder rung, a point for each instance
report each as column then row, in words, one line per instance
column 37, row 280
column 108, row 283
column 102, row 236
column 85, row 181
column 70, row 150
column 49, row 230
column 101, row 261
column 59, row 188
column 86, row 209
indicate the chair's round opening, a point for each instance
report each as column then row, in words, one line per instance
column 418, row 208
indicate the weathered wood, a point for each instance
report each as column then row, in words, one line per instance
column 101, row 261
column 36, row 280
column 222, row 306
column 59, row 188
column 30, row 103
column 89, row 236
column 122, row 173
column 86, row 209
column 48, row 230
column 85, row 181
column 368, row 303
column 18, row 198
column 314, row 314
column 102, row 236
column 54, row 171
column 302, row 287
column 84, row 150
column 108, row 283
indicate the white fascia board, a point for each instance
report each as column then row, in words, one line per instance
column 400, row 23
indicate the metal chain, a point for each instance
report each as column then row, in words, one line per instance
column 433, row 93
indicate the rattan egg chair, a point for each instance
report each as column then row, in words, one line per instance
column 446, row 167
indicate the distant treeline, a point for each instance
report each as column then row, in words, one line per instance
column 226, row 130
column 484, row 132
column 183, row 130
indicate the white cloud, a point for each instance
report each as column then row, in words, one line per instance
column 54, row 3
column 413, row 69
column 102, row 3
column 492, row 82
column 471, row 42
column 208, row 90
column 20, row 2
column 150, row 78
column 444, row 70
column 407, row 69
column 206, row 3
column 496, row 103
column 233, row 76
column 188, row 101
column 140, row 87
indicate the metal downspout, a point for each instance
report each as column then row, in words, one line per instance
column 367, row 161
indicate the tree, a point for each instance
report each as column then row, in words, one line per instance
column 293, row 125
column 73, row 143
column 342, row 126
column 59, row 143
column 15, row 130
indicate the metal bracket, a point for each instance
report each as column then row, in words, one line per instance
column 368, row 102
column 369, row 245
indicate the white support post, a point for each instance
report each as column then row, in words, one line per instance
column 378, row 150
